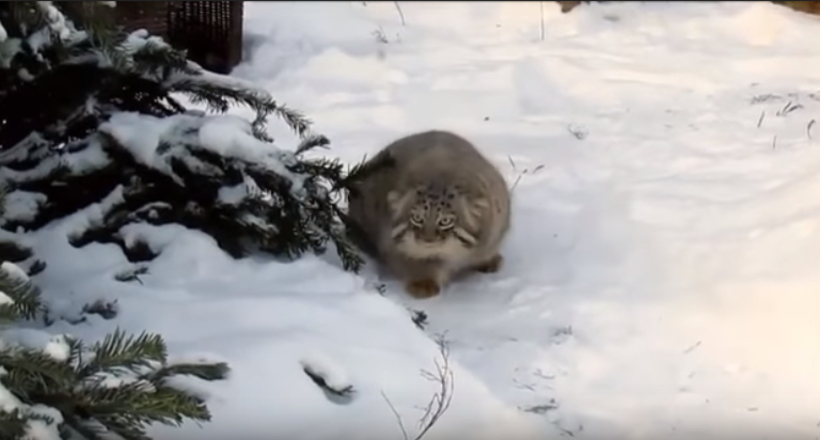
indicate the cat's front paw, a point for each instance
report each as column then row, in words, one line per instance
column 421, row 289
column 492, row 265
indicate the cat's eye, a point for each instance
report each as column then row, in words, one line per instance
column 416, row 219
column 446, row 222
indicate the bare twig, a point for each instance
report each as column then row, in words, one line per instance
column 518, row 179
column 760, row 121
column 782, row 110
column 440, row 402
column 543, row 28
column 398, row 417
column 401, row 14
column 520, row 175
column 763, row 98
column 691, row 348
column 579, row 133
column 380, row 35
column 788, row 108
column 808, row 128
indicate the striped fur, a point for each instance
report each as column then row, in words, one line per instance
column 442, row 208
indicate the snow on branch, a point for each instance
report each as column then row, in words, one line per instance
column 154, row 142
column 110, row 122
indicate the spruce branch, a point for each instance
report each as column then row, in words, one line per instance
column 364, row 169
column 159, row 61
column 96, row 407
column 30, row 372
column 218, row 97
column 13, row 424
column 129, row 409
column 95, row 430
column 24, row 294
column 81, row 73
column 86, row 91
column 348, row 253
column 141, row 403
column 310, row 142
column 104, row 38
column 119, row 350
column 209, row 372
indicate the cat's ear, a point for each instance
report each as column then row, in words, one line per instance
column 393, row 198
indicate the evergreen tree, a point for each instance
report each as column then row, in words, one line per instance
column 118, row 385
column 90, row 114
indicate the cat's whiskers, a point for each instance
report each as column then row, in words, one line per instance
column 447, row 249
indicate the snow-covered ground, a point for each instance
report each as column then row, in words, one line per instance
column 661, row 275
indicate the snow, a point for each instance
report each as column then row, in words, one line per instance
column 154, row 141
column 94, row 214
column 58, row 26
column 22, row 205
column 660, row 276
column 234, row 195
column 55, row 346
column 329, row 371
column 58, row 348
column 9, row 48
column 86, row 160
column 8, row 402
column 111, row 380
column 42, row 429
column 14, row 271
column 140, row 39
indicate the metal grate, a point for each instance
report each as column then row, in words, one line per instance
column 211, row 31
column 151, row 16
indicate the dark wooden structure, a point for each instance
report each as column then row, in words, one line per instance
column 211, row 31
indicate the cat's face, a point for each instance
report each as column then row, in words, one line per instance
column 433, row 222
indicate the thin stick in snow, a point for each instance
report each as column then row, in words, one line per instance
column 401, row 14
column 440, row 402
column 398, row 416
column 543, row 29
column 512, row 188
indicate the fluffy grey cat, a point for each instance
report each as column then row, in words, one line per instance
column 438, row 209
